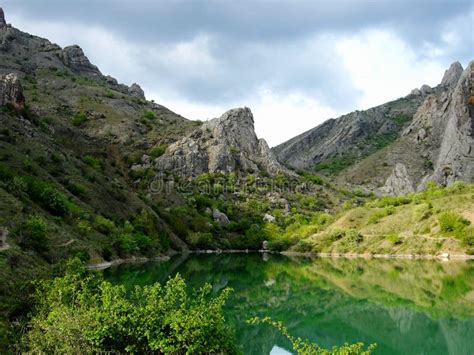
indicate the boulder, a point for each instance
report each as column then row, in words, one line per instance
column 269, row 218
column 415, row 92
column 220, row 217
column 11, row 91
column 426, row 90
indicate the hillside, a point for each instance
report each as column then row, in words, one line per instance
column 397, row 147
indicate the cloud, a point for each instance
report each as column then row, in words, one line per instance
column 294, row 64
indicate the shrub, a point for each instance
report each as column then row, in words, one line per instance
column 452, row 222
column 158, row 150
column 94, row 163
column 394, row 239
column 80, row 312
column 78, row 119
column 149, row 115
column 305, row 347
column 199, row 239
column 104, row 225
column 33, row 233
column 353, row 236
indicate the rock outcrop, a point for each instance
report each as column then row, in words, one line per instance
column 136, row 91
column 11, row 91
column 452, row 75
column 74, row 58
column 3, row 23
column 398, row 182
column 225, row 144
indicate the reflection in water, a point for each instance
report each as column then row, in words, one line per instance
column 406, row 307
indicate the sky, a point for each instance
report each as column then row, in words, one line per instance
column 294, row 63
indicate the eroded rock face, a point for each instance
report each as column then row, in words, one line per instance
column 225, row 144
column 452, row 75
column 74, row 58
column 455, row 160
column 399, row 182
column 11, row 91
column 136, row 91
column 2, row 18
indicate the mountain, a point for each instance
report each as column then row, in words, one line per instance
column 399, row 146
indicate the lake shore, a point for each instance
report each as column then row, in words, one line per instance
column 138, row 260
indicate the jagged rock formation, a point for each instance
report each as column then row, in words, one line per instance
column 452, row 75
column 136, row 91
column 398, row 182
column 349, row 137
column 225, row 144
column 2, row 18
column 11, row 91
column 74, row 58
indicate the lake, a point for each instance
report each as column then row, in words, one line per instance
column 405, row 306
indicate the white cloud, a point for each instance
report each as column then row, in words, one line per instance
column 383, row 67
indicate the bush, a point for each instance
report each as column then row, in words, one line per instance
column 353, row 236
column 78, row 119
column 394, row 239
column 94, row 163
column 200, row 240
column 33, row 233
column 158, row 151
column 149, row 115
column 451, row 222
column 104, row 225
column 82, row 313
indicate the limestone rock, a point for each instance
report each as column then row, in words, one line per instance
column 136, row 91
column 269, row 218
column 2, row 18
column 225, row 144
column 11, row 91
column 399, row 181
column 74, row 58
column 452, row 75
column 220, row 217
column 426, row 90
column 455, row 160
column 415, row 92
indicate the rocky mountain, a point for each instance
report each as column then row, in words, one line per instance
column 221, row 145
column 399, row 146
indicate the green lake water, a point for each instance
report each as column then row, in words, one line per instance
column 406, row 307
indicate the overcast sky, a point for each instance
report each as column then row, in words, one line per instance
column 295, row 64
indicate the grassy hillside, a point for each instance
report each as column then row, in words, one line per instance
column 434, row 221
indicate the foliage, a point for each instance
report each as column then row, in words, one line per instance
column 33, row 233
column 104, row 225
column 149, row 115
column 158, row 150
column 335, row 165
column 78, row 119
column 306, row 347
column 81, row 313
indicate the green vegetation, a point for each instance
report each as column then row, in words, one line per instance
column 78, row 119
column 81, row 313
column 305, row 347
column 158, row 150
column 335, row 165
column 149, row 115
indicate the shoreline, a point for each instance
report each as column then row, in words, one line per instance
column 137, row 260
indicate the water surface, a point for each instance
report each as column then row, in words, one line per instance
column 405, row 306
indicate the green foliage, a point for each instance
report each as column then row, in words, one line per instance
column 149, row 115
column 33, row 233
column 158, row 150
column 306, row 347
column 82, row 313
column 335, row 165
column 401, row 119
column 452, row 223
column 50, row 198
column 104, row 225
column 94, row 163
column 79, row 118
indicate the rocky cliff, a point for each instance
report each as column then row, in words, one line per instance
column 399, row 146
column 225, row 144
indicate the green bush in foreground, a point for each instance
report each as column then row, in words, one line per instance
column 305, row 347
column 82, row 313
